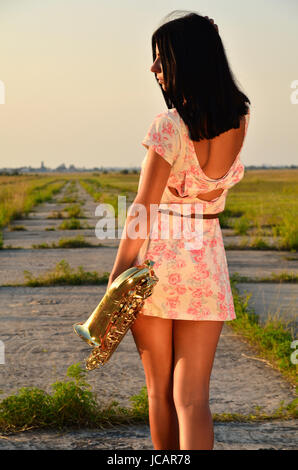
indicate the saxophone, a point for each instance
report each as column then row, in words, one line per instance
column 116, row 312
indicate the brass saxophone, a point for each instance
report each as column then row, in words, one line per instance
column 116, row 312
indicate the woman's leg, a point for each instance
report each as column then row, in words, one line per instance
column 195, row 345
column 154, row 341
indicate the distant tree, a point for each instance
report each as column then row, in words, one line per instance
column 61, row 167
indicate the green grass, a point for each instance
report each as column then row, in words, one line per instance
column 278, row 278
column 18, row 195
column 68, row 199
column 76, row 242
column 10, row 247
column 107, row 193
column 16, row 228
column 56, row 215
column 71, row 212
column 73, row 404
column 271, row 340
column 241, row 225
column 71, row 224
column 75, row 211
column 125, row 183
column 287, row 231
column 257, row 243
column 70, row 189
column 226, row 217
column 263, row 199
column 290, row 257
column 63, row 274
column 267, row 199
column 93, row 187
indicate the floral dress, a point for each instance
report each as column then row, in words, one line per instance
column 194, row 281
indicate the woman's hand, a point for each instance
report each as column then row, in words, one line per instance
column 112, row 277
column 212, row 21
column 114, row 274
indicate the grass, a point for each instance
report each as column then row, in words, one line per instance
column 15, row 228
column 272, row 341
column 287, row 231
column 75, row 211
column 104, row 192
column 70, row 189
column 76, row 242
column 241, row 225
column 257, row 243
column 18, row 195
column 56, row 215
column 68, row 199
column 249, row 204
column 93, row 187
column 63, row 274
column 73, row 404
column 71, row 212
column 278, row 278
column 290, row 257
column 117, row 182
column 72, row 224
column 267, row 199
column 11, row 247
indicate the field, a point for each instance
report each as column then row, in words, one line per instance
column 260, row 211
column 54, row 271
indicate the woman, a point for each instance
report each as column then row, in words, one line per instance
column 193, row 150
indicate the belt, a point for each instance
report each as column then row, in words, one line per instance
column 200, row 216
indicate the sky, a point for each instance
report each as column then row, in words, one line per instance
column 78, row 87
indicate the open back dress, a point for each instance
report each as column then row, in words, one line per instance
column 194, row 283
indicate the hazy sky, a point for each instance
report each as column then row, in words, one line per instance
column 78, row 85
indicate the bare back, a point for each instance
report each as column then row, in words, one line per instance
column 216, row 156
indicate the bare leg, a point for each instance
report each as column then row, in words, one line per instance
column 195, row 345
column 153, row 338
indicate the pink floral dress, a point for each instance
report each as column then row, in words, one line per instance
column 194, row 283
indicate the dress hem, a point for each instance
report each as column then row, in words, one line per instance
column 193, row 319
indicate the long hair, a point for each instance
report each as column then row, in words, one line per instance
column 197, row 77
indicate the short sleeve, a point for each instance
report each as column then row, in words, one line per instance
column 163, row 136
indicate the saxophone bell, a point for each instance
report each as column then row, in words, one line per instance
column 83, row 332
column 116, row 312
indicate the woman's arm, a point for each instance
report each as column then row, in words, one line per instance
column 156, row 172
